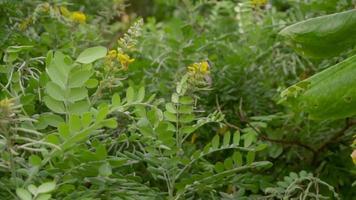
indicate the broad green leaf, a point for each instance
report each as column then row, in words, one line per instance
column 79, row 107
column 170, row 116
column 215, row 142
column 186, row 100
column 55, row 106
column 77, row 94
column 91, row 54
column 324, row 36
column 55, row 91
column 59, row 69
column 35, row 160
column 186, row 118
column 79, row 78
column 75, row 123
column 46, row 187
column 330, row 94
column 23, row 194
column 32, row 188
column 91, row 83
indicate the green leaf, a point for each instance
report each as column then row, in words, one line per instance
column 79, row 107
column 170, row 117
column 79, row 78
column 105, row 170
column 32, row 188
column 130, row 95
column 236, row 138
column 237, row 157
column 103, row 112
column 141, row 94
column 55, row 91
column 75, row 123
column 59, row 69
column 330, row 94
column 23, row 194
column 46, row 187
column 215, row 142
column 55, row 106
column 92, row 54
column 249, row 138
column 226, row 140
column 110, row 123
column 171, row 108
column 43, row 197
column 35, row 160
column 92, row 83
column 250, row 157
column 77, row 94
column 324, row 36
column 116, row 100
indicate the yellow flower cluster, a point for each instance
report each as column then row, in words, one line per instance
column 121, row 57
column 78, row 17
column 200, row 68
column 259, row 3
column 75, row 16
column 124, row 60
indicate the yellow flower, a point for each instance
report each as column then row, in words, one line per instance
column 78, row 17
column 259, row 3
column 124, row 60
column 112, row 54
column 353, row 156
column 201, row 68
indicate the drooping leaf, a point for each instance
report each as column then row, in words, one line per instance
column 324, row 36
column 330, row 94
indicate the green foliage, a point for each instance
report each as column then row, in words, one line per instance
column 117, row 99
column 323, row 37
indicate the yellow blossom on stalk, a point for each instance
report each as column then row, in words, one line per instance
column 111, row 54
column 79, row 17
column 201, row 68
column 353, row 156
column 124, row 60
column 259, row 3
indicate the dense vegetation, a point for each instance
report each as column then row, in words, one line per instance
column 177, row 99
